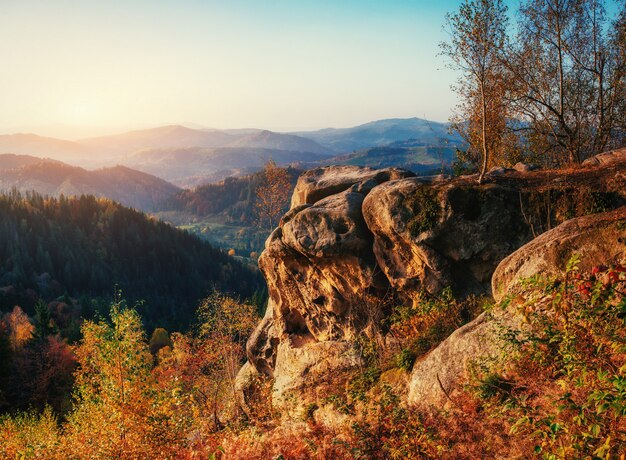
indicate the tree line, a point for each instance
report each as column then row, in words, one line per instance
column 258, row 198
column 64, row 249
column 545, row 84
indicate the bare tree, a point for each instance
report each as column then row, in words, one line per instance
column 565, row 78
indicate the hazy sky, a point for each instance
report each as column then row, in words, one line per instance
column 121, row 64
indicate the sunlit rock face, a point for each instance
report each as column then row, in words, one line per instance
column 357, row 241
column 319, row 183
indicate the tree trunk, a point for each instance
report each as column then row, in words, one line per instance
column 483, row 169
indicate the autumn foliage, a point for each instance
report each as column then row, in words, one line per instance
column 558, row 390
column 272, row 195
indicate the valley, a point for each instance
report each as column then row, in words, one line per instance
column 181, row 175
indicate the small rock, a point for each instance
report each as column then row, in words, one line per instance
column 523, row 167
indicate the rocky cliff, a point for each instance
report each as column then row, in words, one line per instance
column 357, row 242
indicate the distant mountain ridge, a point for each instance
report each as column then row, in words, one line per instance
column 381, row 132
column 181, row 166
column 194, row 156
column 287, row 142
column 39, row 146
column 171, row 136
column 54, row 178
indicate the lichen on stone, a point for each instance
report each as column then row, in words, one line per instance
column 426, row 209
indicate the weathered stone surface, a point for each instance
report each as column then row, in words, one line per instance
column 302, row 363
column 261, row 346
column 471, row 229
column 598, row 239
column 355, row 238
column 607, row 158
column 244, row 384
column 319, row 265
column 320, row 268
column 438, row 377
column 407, row 264
column 319, row 183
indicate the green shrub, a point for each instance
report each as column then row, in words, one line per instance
column 426, row 209
column 568, row 381
column 406, row 359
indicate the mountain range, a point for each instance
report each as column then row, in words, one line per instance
column 50, row 177
column 188, row 157
column 381, row 132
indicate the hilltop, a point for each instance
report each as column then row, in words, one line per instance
column 48, row 177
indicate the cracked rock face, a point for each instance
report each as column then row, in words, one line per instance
column 319, row 267
column 356, row 241
column 433, row 236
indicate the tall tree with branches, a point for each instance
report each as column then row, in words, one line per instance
column 567, row 78
column 477, row 38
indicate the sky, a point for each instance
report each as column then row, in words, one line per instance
column 74, row 68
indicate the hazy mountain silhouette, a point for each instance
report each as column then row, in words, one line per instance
column 194, row 166
column 39, row 146
column 162, row 137
column 381, row 132
column 49, row 177
column 191, row 156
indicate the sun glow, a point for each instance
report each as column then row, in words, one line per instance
column 241, row 63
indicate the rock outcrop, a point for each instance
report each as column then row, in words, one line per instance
column 428, row 236
column 597, row 239
column 357, row 241
column 607, row 158
column 319, row 183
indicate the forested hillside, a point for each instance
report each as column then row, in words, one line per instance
column 234, row 198
column 86, row 246
column 49, row 177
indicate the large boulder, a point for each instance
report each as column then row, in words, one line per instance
column 429, row 236
column 303, row 368
column 607, row 158
column 597, row 239
column 438, row 378
column 319, row 183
